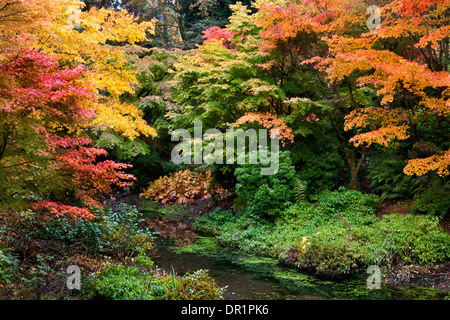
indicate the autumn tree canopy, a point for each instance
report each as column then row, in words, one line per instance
column 313, row 69
column 59, row 79
column 405, row 60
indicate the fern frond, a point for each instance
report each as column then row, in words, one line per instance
column 299, row 190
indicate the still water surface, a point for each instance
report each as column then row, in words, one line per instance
column 249, row 277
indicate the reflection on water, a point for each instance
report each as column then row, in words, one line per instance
column 180, row 232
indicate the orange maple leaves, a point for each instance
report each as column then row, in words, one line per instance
column 389, row 121
column 417, row 76
column 269, row 121
column 438, row 162
column 416, row 7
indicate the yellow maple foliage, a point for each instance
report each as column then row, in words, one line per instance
column 17, row 19
column 438, row 162
column 86, row 38
column 122, row 117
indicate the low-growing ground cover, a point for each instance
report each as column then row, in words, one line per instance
column 337, row 235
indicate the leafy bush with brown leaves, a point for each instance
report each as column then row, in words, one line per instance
column 181, row 187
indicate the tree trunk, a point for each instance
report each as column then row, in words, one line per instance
column 350, row 156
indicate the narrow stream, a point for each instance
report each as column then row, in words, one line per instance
column 241, row 282
column 249, row 277
column 181, row 249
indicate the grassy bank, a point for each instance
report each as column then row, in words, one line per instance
column 335, row 236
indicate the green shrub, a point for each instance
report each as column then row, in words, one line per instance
column 319, row 164
column 266, row 195
column 413, row 239
column 212, row 222
column 318, row 238
column 122, row 283
column 130, row 283
column 114, row 233
column 338, row 249
column 434, row 201
column 300, row 211
column 349, row 201
column 240, row 231
column 8, row 266
column 329, row 254
column 198, row 286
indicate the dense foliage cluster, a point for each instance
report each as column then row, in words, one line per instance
column 91, row 92
column 336, row 236
column 181, row 187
